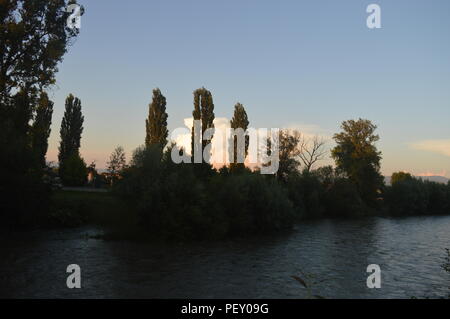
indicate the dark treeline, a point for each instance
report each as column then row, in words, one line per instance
column 413, row 196
column 179, row 201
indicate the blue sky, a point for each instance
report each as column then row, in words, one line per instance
column 306, row 64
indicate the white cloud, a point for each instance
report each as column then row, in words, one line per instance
column 311, row 130
column 182, row 137
column 436, row 146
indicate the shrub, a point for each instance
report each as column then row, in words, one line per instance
column 343, row 200
column 414, row 196
column 173, row 202
column 252, row 203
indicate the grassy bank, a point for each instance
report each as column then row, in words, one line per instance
column 78, row 208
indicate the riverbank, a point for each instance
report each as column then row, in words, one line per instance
column 120, row 221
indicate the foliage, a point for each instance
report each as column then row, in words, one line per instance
column 71, row 129
column 34, row 39
column 73, row 171
column 400, row 176
column 204, row 112
column 40, row 130
column 289, row 152
column 357, row 156
column 172, row 201
column 324, row 193
column 156, row 123
column 413, row 196
column 251, row 203
column 239, row 121
column 73, row 208
column 117, row 163
column 307, row 194
column 168, row 198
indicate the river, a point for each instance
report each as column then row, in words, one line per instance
column 332, row 255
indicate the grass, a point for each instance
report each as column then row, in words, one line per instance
column 73, row 208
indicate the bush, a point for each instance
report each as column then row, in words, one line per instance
column 174, row 203
column 307, row 194
column 169, row 199
column 343, row 200
column 414, row 196
column 252, row 203
column 325, row 193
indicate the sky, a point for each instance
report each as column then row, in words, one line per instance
column 293, row 64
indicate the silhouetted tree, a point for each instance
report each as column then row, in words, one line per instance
column 41, row 128
column 71, row 129
column 117, row 163
column 400, row 176
column 357, row 156
column 312, row 150
column 289, row 153
column 33, row 40
column 156, row 124
column 203, row 111
column 239, row 121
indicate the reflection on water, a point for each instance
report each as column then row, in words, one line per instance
column 409, row 252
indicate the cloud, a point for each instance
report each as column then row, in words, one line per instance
column 182, row 137
column 436, row 146
column 311, row 130
column 430, row 174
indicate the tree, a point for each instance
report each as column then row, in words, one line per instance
column 311, row 151
column 73, row 172
column 400, row 176
column 41, row 128
column 204, row 112
column 239, row 121
column 71, row 129
column 356, row 154
column 289, row 153
column 156, row 124
column 33, row 40
column 117, row 163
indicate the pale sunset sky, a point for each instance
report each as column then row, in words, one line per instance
column 293, row 64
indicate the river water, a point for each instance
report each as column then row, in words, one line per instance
column 332, row 256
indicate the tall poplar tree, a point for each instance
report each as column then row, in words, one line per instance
column 156, row 124
column 239, row 120
column 71, row 129
column 203, row 111
column 40, row 131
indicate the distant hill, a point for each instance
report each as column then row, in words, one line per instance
column 437, row 179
